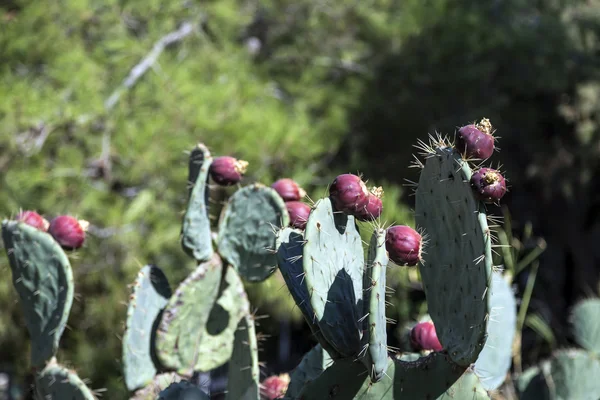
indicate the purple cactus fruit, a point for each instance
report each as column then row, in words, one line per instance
column 227, row 171
column 298, row 212
column 349, row 194
column 274, row 387
column 476, row 141
column 489, row 185
column 424, row 337
column 403, row 245
column 68, row 231
column 373, row 208
column 34, row 219
column 288, row 189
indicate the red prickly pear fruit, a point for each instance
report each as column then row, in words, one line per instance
column 476, row 141
column 349, row 194
column 403, row 245
column 489, row 185
column 274, row 387
column 298, row 212
column 288, row 189
column 374, row 206
column 424, row 337
column 227, row 171
column 68, row 231
column 34, row 219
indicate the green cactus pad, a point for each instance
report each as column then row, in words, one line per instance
column 585, row 319
column 432, row 377
column 179, row 333
column 457, row 262
column 182, row 390
column 42, row 276
column 496, row 357
column 374, row 281
column 246, row 231
column 244, row 375
column 57, row 382
column 158, row 384
column 150, row 294
column 310, row 368
column 333, row 262
column 196, row 238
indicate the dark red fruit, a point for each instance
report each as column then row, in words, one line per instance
column 476, row 141
column 34, row 219
column 489, row 185
column 275, row 386
column 349, row 194
column 373, row 208
column 403, row 245
column 288, row 189
column 68, row 231
column 424, row 337
column 227, row 171
column 298, row 212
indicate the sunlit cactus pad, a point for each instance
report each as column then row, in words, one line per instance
column 57, row 382
column 244, row 374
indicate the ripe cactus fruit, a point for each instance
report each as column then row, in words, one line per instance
column 374, row 206
column 57, row 382
column 244, row 375
column 298, row 213
column 33, row 219
column 423, row 337
column 227, row 171
column 476, row 141
column 404, row 245
column 43, row 278
column 68, row 231
column 349, row 194
column 489, row 185
column 275, row 387
column 288, row 189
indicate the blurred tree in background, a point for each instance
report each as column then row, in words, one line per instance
column 305, row 89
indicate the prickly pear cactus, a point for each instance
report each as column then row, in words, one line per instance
column 310, row 368
column 496, row 357
column 246, row 231
column 57, row 382
column 150, row 294
column 457, row 262
column 585, row 319
column 182, row 390
column 158, row 384
column 244, row 375
column 375, row 338
column 333, row 263
column 42, row 276
column 196, row 237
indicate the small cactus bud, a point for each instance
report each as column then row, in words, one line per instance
column 489, row 185
column 34, row 219
column 373, row 208
column 275, row 386
column 403, row 245
column 288, row 189
column 298, row 212
column 68, row 231
column 476, row 141
column 227, row 171
column 424, row 337
column 349, row 193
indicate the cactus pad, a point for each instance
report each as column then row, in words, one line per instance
column 42, row 276
column 182, row 390
column 244, row 375
column 374, row 280
column 496, row 357
column 158, row 384
column 150, row 295
column 431, row 377
column 57, row 382
column 585, row 319
column 575, row 375
column 246, row 237
column 457, row 262
column 196, row 238
column 310, row 368
column 333, row 262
